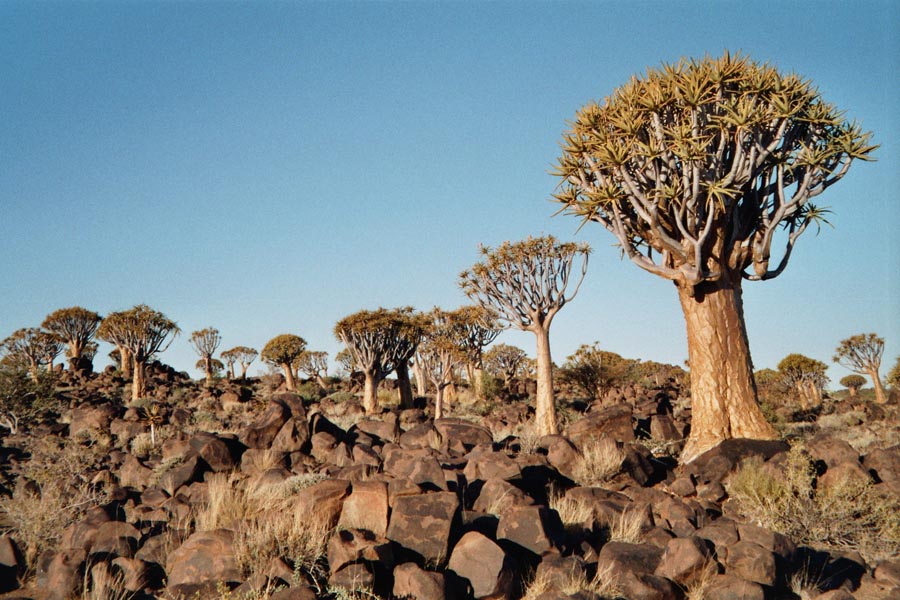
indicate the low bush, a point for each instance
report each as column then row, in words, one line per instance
column 848, row 514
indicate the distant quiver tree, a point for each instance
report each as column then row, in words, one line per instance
column 76, row 327
column 381, row 341
column 139, row 333
column 281, row 351
column 862, row 354
column 526, row 283
column 205, row 342
column 699, row 169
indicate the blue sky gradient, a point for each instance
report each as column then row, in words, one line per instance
column 265, row 168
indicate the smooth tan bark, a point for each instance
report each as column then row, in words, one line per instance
column 138, row 381
column 209, row 371
column 478, row 382
column 404, row 387
column 370, row 390
column 880, row 396
column 289, row 380
column 439, row 402
column 545, row 413
column 125, row 362
column 723, row 393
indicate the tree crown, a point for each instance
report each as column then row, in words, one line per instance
column 860, row 353
column 283, row 349
column 206, row 341
column 525, row 282
column 694, row 166
column 74, row 325
column 141, row 330
column 381, row 339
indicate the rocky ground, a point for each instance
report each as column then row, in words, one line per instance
column 244, row 490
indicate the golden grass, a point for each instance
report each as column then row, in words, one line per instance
column 602, row 584
column 599, row 461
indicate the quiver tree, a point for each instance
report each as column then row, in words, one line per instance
column 525, row 284
column 504, row 360
column 139, row 333
column 893, row 376
column 38, row 348
column 210, row 368
column 205, row 343
column 281, row 351
column 243, row 355
column 853, row 383
column 76, row 327
column 804, row 375
column 477, row 328
column 699, row 169
column 443, row 348
column 382, row 341
column 862, row 355
column 313, row 364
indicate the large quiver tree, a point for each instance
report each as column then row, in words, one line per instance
column 526, row 284
column 696, row 168
column 76, row 327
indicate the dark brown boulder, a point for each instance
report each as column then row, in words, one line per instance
column 205, row 558
column 366, row 508
column 214, row 451
column 629, row 559
column 497, row 494
column 535, row 528
column 261, row 433
column 64, row 574
column 11, row 564
column 349, row 546
column 752, row 562
column 686, row 561
column 115, row 538
column 615, row 422
column 729, row 587
column 419, row 466
column 465, row 432
column 717, row 462
column 422, row 524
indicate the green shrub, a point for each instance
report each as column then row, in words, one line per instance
column 26, row 400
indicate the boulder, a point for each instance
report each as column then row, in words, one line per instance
column 717, row 462
column 465, row 432
column 615, row 422
column 535, row 528
column 496, row 495
column 750, row 561
column 686, row 561
column 325, row 499
column 349, row 546
column 205, row 558
column 422, row 524
column 483, row 564
column 64, row 574
column 11, row 563
column 366, row 507
column 414, row 583
column 729, row 587
column 419, row 466
column 261, row 433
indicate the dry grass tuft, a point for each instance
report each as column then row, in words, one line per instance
column 603, row 585
column 848, row 515
column 627, row 527
column 600, row 460
column 572, row 512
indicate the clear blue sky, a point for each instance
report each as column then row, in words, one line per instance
column 272, row 167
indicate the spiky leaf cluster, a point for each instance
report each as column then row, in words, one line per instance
column 695, row 166
column 525, row 283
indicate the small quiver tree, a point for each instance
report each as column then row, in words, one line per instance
column 443, row 349
column 139, row 333
column 594, row 370
column 699, row 169
column 525, row 284
column 504, row 360
column 76, row 327
column 244, row 355
column 382, row 341
column 853, row 383
column 805, row 376
column 39, row 348
column 313, row 364
column 862, row 355
column 205, row 343
column 228, row 358
column 478, row 328
column 281, row 351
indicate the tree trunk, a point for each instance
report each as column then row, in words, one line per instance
column 421, row 381
column 209, row 371
column 138, row 382
column 439, row 402
column 370, row 398
column 289, row 377
column 404, row 387
column 478, row 383
column 231, row 372
column 244, row 370
column 126, row 359
column 323, row 385
column 852, row 391
column 545, row 416
column 723, row 392
column 880, row 397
